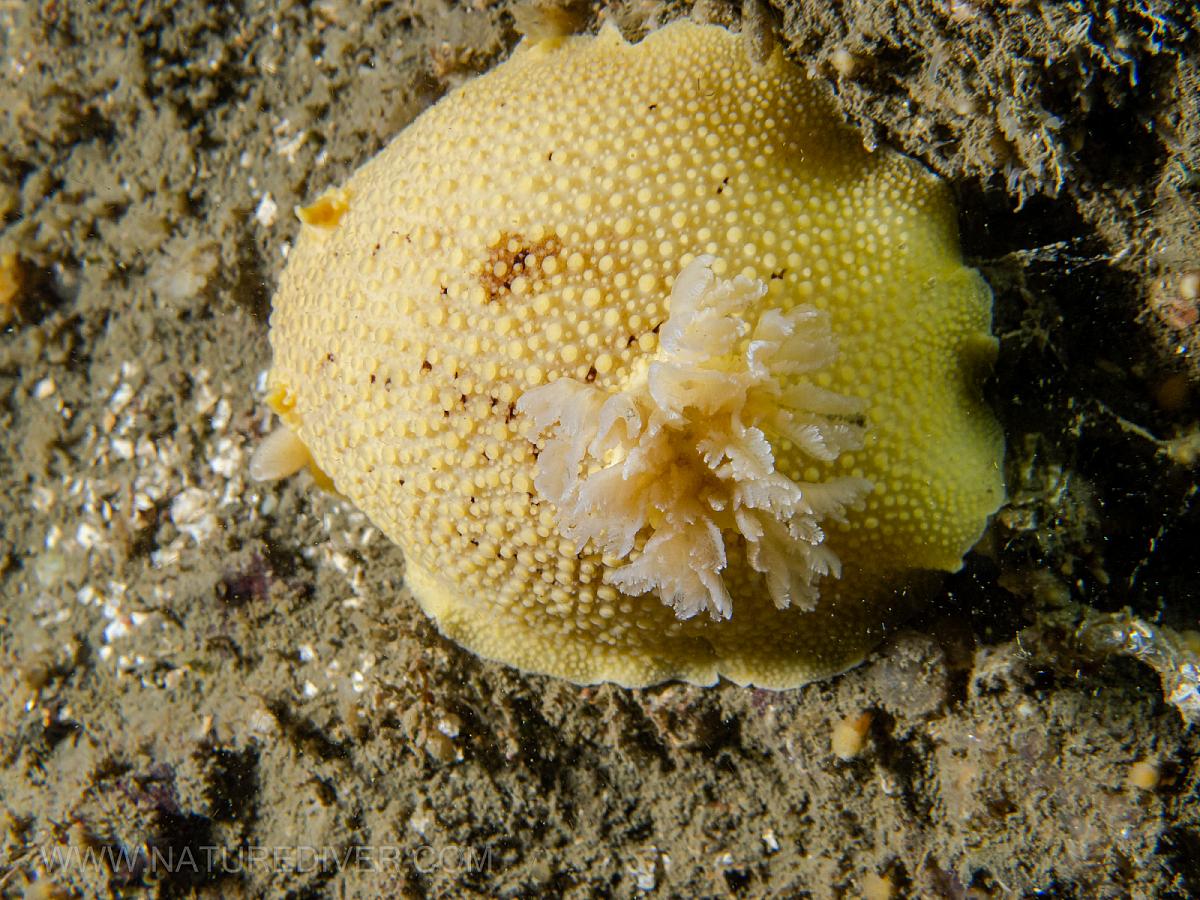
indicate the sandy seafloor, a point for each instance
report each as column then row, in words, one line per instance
column 197, row 667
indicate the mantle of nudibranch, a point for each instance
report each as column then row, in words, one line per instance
column 523, row 239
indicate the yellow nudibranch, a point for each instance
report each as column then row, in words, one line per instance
column 649, row 367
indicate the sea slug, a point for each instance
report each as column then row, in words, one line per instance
column 649, row 366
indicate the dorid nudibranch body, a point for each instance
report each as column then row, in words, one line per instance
column 651, row 369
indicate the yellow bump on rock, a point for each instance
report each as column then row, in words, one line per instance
column 326, row 211
column 878, row 887
column 10, row 285
column 849, row 736
column 1144, row 775
column 817, row 389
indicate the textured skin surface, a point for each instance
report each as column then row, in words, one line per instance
column 529, row 227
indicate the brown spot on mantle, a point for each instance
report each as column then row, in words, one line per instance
column 517, row 255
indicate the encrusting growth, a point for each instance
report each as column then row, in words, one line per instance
column 660, row 473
